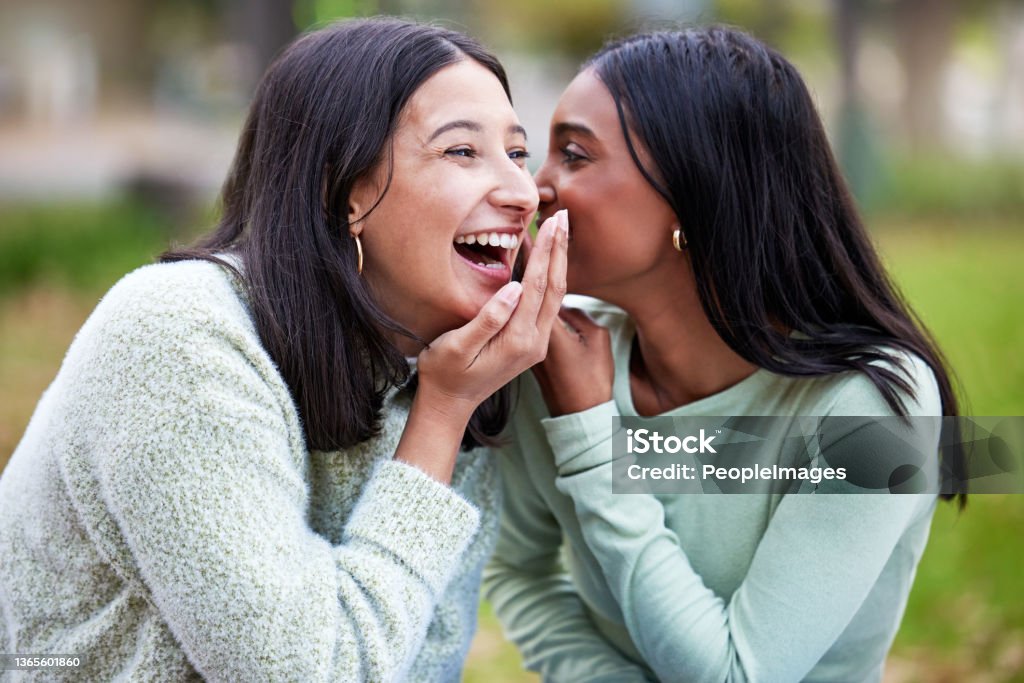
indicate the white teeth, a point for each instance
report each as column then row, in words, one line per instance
column 496, row 266
column 494, row 239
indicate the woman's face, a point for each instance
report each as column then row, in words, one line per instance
column 446, row 233
column 620, row 227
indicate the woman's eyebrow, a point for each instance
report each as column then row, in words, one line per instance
column 451, row 125
column 569, row 127
column 473, row 126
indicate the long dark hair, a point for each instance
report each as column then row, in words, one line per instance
column 775, row 240
column 323, row 116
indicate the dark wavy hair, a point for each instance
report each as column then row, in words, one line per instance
column 775, row 239
column 323, row 116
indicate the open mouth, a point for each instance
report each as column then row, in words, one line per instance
column 491, row 250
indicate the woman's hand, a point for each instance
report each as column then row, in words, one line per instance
column 463, row 367
column 579, row 370
column 510, row 334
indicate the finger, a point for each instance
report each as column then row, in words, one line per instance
column 556, row 274
column 574, row 327
column 565, row 325
column 578, row 319
column 535, row 279
column 492, row 318
column 569, row 335
column 563, row 333
column 564, row 339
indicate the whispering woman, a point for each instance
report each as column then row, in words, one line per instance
column 735, row 278
column 233, row 476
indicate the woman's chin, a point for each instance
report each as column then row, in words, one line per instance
column 477, row 292
column 458, row 316
column 464, row 302
column 477, row 300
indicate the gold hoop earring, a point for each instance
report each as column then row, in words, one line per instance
column 359, row 254
column 679, row 239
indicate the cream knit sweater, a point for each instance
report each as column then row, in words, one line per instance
column 163, row 519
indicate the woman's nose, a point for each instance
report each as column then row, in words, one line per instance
column 517, row 191
column 545, row 186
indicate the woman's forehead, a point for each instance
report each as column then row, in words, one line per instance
column 465, row 90
column 587, row 102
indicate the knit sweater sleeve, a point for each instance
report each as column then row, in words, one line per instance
column 193, row 445
column 816, row 563
column 531, row 592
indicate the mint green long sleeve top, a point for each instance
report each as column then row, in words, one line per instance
column 597, row 586
column 163, row 518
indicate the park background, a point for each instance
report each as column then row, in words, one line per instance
column 118, row 119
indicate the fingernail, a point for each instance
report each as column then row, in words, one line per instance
column 563, row 222
column 510, row 293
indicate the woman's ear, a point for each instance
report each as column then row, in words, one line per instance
column 362, row 199
column 355, row 204
column 355, row 226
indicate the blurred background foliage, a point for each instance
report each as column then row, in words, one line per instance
column 118, row 119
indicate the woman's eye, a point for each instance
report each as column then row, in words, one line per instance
column 571, row 156
column 519, row 155
column 466, row 152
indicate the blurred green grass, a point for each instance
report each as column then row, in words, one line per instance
column 966, row 282
column 964, row 278
column 939, row 186
column 84, row 248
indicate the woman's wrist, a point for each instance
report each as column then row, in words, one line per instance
column 433, row 433
column 568, row 398
column 580, row 402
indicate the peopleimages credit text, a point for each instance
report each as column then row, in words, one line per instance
column 646, row 441
column 801, row 454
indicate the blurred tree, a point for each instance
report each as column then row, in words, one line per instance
column 855, row 143
column 122, row 31
column 575, row 28
column 769, row 20
column 924, row 32
column 658, row 13
column 309, row 13
column 265, row 25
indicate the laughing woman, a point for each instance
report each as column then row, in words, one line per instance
column 233, row 477
column 709, row 215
